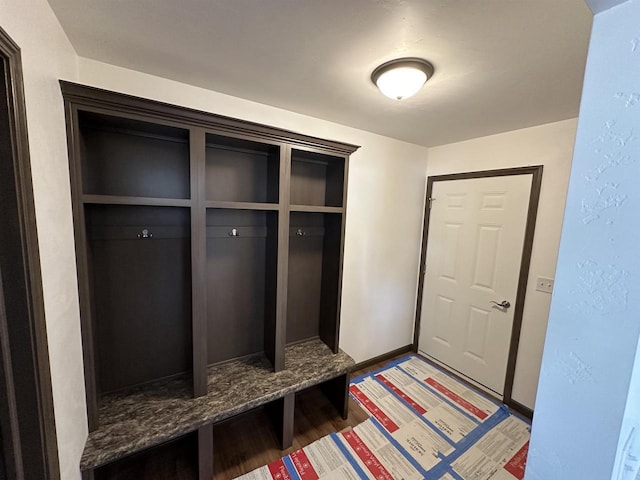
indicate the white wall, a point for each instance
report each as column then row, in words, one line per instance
column 591, row 342
column 47, row 56
column 550, row 145
column 385, row 196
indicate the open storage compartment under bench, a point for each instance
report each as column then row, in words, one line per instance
column 209, row 258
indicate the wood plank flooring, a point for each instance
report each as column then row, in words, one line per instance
column 238, row 452
column 242, row 443
column 248, row 442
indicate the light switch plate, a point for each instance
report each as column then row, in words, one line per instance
column 544, row 284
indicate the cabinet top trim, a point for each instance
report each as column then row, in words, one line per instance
column 82, row 95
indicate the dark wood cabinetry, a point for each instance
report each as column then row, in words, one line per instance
column 140, row 293
column 242, row 269
column 315, row 269
column 201, row 241
column 317, row 179
column 241, row 170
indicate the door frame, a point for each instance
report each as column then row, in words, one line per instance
column 534, row 198
column 29, row 437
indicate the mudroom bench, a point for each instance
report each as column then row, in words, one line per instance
column 148, row 416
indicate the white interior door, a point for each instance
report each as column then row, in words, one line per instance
column 474, row 251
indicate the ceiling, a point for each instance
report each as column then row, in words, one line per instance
column 499, row 64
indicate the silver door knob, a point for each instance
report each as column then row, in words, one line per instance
column 504, row 304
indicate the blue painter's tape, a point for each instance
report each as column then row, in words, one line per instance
column 348, row 456
column 400, row 448
column 293, row 473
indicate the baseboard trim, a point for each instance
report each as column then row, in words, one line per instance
column 461, row 377
column 511, row 403
column 383, row 357
column 520, row 408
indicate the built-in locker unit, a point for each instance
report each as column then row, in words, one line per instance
column 209, row 257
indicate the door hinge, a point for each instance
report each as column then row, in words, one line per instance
column 430, row 200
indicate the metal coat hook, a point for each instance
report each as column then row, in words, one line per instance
column 145, row 234
column 234, row 232
column 300, row 232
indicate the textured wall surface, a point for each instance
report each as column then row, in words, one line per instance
column 593, row 328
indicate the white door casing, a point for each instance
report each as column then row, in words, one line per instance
column 476, row 236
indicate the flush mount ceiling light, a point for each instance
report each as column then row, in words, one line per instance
column 403, row 77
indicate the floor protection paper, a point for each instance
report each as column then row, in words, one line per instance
column 424, row 424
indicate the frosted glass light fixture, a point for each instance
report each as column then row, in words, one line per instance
column 403, row 77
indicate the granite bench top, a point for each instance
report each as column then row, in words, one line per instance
column 149, row 415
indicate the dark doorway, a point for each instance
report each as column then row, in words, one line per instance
column 27, row 430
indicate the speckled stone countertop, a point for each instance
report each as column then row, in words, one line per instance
column 147, row 416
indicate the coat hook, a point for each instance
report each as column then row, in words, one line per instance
column 145, row 234
column 300, row 232
column 234, row 232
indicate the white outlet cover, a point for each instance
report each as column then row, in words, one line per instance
column 544, row 284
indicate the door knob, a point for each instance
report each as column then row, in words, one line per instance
column 504, row 304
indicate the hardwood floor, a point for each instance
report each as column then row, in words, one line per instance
column 247, row 442
column 242, row 443
column 238, row 452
